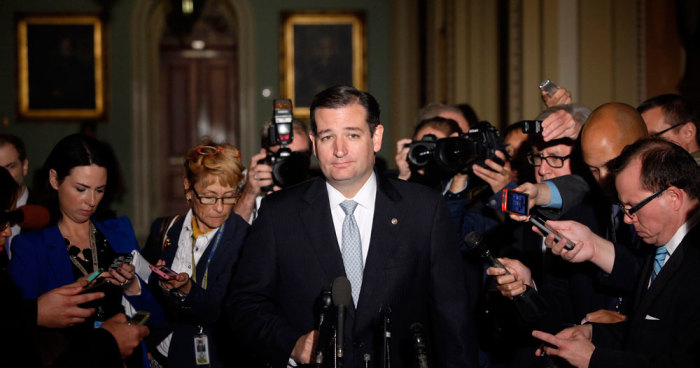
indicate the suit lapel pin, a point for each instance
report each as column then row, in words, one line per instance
column 394, row 221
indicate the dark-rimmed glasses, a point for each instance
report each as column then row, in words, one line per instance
column 209, row 200
column 634, row 209
column 658, row 134
column 556, row 162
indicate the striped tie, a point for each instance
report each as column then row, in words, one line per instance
column 352, row 249
column 661, row 254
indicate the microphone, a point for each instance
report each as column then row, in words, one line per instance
column 385, row 313
column 419, row 345
column 324, row 324
column 342, row 297
column 474, row 241
column 530, row 304
column 29, row 217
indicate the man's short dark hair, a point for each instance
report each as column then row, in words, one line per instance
column 447, row 126
column 16, row 142
column 663, row 164
column 677, row 109
column 342, row 96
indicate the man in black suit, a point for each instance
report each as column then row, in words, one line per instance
column 299, row 243
column 658, row 185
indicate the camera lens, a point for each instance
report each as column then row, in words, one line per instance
column 420, row 154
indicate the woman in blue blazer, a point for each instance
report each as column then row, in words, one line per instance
column 77, row 245
column 202, row 248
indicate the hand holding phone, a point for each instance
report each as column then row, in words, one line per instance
column 546, row 229
column 515, row 202
column 163, row 272
column 139, row 318
column 121, row 259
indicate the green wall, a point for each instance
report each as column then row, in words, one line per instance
column 41, row 136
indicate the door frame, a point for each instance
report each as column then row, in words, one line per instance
column 148, row 24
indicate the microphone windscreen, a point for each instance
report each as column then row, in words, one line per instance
column 473, row 240
column 341, row 291
column 35, row 217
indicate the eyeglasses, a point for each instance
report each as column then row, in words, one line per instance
column 5, row 225
column 634, row 209
column 208, row 150
column 535, row 159
column 211, row 151
column 658, row 134
column 209, row 200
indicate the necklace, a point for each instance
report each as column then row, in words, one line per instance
column 93, row 250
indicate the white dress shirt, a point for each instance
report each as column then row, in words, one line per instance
column 183, row 260
column 364, row 212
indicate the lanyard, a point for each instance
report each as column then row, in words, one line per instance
column 211, row 254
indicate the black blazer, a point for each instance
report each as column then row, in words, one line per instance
column 201, row 307
column 413, row 265
column 663, row 329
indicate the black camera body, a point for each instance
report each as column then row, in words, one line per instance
column 458, row 154
column 288, row 167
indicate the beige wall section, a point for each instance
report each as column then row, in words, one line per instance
column 476, row 69
column 596, row 47
column 532, row 61
column 405, row 66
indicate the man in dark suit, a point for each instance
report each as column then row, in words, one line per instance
column 658, row 185
column 407, row 255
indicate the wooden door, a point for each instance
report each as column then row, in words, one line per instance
column 199, row 98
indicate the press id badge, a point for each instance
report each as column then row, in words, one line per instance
column 201, row 350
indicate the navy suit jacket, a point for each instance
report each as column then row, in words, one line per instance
column 201, row 307
column 413, row 266
column 40, row 262
column 662, row 330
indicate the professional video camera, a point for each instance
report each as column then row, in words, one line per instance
column 287, row 167
column 458, row 154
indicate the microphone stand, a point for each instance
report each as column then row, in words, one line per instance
column 386, row 336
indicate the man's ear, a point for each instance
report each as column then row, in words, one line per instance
column 313, row 143
column 377, row 137
column 25, row 167
column 53, row 179
column 689, row 131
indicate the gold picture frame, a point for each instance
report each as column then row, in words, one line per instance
column 320, row 50
column 60, row 62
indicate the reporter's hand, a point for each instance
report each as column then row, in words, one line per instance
column 587, row 245
column 128, row 336
column 498, row 177
column 59, row 307
column 560, row 124
column 572, row 344
column 125, row 277
column 512, row 284
column 604, row 316
column 259, row 175
column 305, row 347
column 180, row 283
column 401, row 158
column 561, row 97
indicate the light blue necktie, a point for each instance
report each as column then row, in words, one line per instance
column 352, row 249
column 661, row 254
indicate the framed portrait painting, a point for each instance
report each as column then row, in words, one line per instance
column 60, row 67
column 320, row 50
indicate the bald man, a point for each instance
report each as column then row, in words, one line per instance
column 610, row 128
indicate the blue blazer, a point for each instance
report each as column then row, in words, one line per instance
column 40, row 262
column 201, row 307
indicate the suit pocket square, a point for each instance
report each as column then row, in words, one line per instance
column 650, row 318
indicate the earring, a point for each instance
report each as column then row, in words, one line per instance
column 188, row 201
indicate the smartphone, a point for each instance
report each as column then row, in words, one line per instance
column 549, row 87
column 546, row 229
column 163, row 272
column 120, row 259
column 515, row 202
column 94, row 275
column 139, row 318
column 531, row 126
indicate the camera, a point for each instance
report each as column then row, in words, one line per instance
column 458, row 154
column 288, row 167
